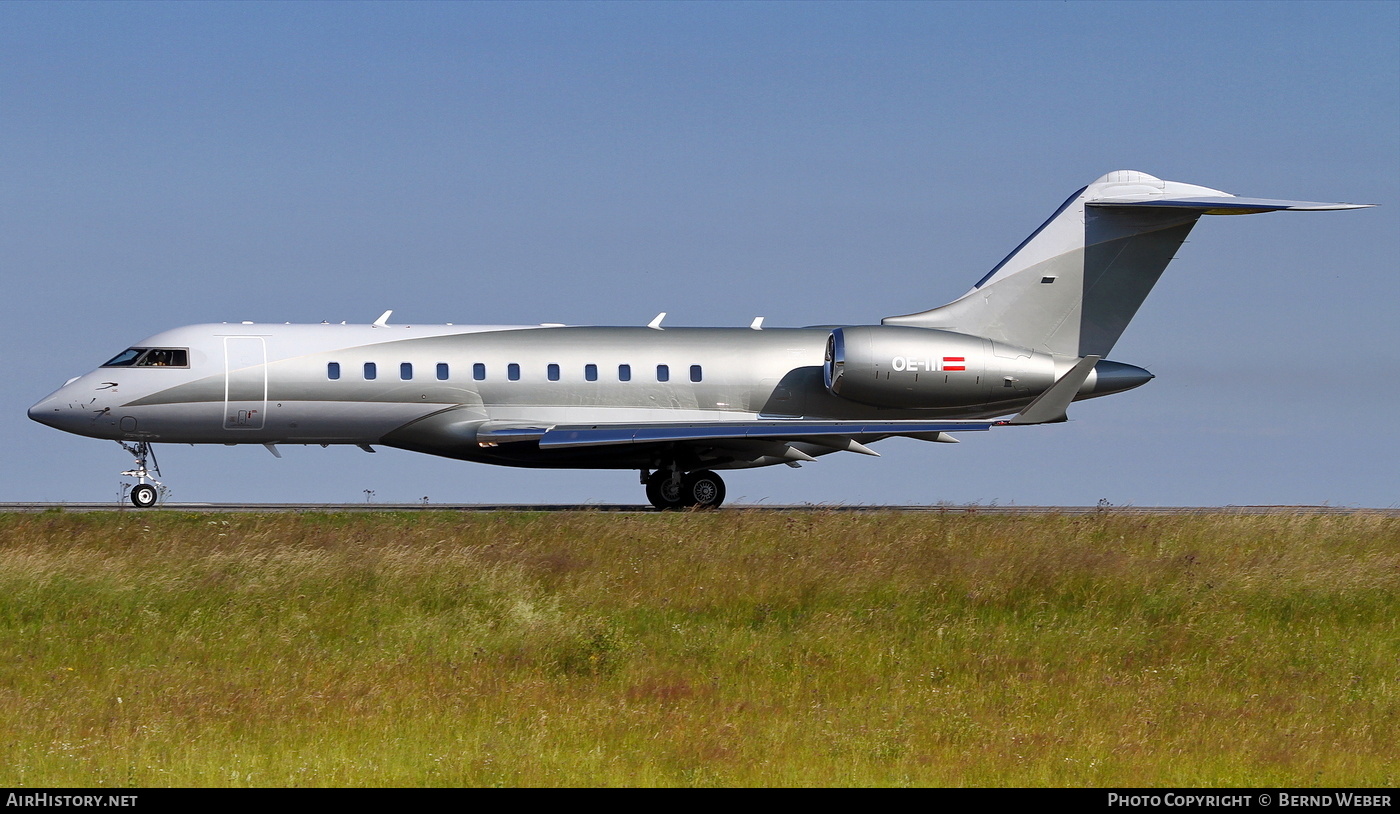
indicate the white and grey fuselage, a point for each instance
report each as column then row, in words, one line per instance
column 460, row 391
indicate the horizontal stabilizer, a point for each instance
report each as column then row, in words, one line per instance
column 1221, row 204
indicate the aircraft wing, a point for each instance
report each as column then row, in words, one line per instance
column 742, row 440
column 793, row 429
column 1048, row 407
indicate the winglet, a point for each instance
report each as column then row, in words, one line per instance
column 1050, row 406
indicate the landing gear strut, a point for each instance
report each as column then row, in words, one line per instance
column 669, row 489
column 147, row 489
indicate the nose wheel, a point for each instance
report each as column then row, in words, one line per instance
column 143, row 495
column 147, row 489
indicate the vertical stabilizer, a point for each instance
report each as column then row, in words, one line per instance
column 1074, row 284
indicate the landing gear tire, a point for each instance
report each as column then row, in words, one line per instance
column 696, row 490
column 702, row 490
column 143, row 496
column 663, row 492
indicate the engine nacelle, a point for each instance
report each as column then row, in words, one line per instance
column 894, row 366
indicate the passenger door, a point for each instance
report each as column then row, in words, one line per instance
column 245, row 382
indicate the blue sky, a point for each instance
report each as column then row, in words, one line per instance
column 596, row 163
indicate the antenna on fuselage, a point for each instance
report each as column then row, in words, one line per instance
column 655, row 324
column 383, row 321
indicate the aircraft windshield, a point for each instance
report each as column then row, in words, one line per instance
column 150, row 357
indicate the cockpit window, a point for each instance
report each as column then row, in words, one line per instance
column 126, row 358
column 151, row 357
column 165, row 357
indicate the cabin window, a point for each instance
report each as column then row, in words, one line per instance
column 513, row 372
column 590, row 373
column 442, row 371
column 663, row 373
column 479, row 372
column 406, row 371
column 695, row 373
column 371, row 371
column 624, row 373
column 553, row 372
column 332, row 370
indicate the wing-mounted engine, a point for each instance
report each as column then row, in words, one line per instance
column 900, row 367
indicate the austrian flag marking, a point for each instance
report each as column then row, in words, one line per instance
column 954, row 363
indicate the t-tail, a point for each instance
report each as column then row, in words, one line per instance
column 1072, row 286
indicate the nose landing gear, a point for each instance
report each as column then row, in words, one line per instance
column 147, row 489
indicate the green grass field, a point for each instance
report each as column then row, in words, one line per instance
column 698, row 649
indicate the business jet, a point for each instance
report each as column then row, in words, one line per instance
column 675, row 404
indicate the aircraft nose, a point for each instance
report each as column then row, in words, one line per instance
column 50, row 411
column 61, row 411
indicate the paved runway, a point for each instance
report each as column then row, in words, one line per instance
column 598, row 507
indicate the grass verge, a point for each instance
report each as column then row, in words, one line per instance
column 720, row 648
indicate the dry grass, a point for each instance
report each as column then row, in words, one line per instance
column 722, row 648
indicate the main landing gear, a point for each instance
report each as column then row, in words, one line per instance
column 670, row 489
column 147, row 489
